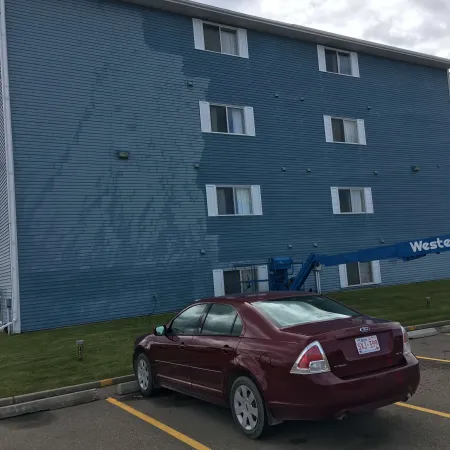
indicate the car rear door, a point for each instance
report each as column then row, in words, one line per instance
column 170, row 353
column 213, row 350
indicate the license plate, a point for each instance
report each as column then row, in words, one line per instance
column 367, row 344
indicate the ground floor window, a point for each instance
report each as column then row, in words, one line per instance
column 360, row 273
column 240, row 280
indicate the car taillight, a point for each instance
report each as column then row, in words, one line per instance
column 406, row 344
column 311, row 360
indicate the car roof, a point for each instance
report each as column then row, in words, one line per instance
column 255, row 297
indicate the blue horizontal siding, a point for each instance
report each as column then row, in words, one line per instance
column 99, row 238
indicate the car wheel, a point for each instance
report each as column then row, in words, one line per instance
column 143, row 374
column 247, row 408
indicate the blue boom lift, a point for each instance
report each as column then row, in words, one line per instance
column 281, row 269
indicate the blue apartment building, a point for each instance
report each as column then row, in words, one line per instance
column 153, row 152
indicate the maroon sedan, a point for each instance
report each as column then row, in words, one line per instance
column 279, row 356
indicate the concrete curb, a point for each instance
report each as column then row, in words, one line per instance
column 127, row 388
column 18, row 399
column 422, row 333
column 423, row 326
column 46, row 404
column 428, row 329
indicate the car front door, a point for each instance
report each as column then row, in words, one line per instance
column 213, row 350
column 170, row 353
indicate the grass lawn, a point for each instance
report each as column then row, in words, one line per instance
column 404, row 303
column 43, row 360
column 48, row 359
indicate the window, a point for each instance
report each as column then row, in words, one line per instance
column 226, row 119
column 221, row 320
column 289, row 312
column 188, row 321
column 341, row 130
column 220, row 38
column 233, row 200
column 351, row 200
column 338, row 61
column 216, row 118
column 240, row 281
column 360, row 273
column 243, row 280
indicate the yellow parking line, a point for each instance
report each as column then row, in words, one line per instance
column 174, row 433
column 429, row 411
column 434, row 359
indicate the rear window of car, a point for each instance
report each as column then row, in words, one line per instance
column 288, row 312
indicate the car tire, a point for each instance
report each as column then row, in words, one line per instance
column 143, row 374
column 248, row 408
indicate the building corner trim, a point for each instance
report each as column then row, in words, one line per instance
column 12, row 217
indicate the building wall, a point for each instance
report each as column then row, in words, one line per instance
column 100, row 238
column 5, row 265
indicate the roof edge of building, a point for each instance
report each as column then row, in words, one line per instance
column 236, row 19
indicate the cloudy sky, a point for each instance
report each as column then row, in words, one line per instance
column 420, row 25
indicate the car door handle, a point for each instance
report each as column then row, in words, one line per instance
column 181, row 346
column 226, row 349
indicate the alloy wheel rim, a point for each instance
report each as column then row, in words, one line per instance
column 143, row 374
column 245, row 408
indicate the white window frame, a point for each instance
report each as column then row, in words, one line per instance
column 205, row 119
column 336, row 204
column 376, row 275
column 362, row 140
column 199, row 38
column 354, row 63
column 219, row 283
column 212, row 203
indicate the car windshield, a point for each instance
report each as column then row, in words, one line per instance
column 288, row 312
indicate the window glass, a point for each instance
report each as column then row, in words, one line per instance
column 236, row 120
column 338, row 130
column 187, row 322
column 353, row 274
column 229, row 41
column 345, row 64
column 237, row 327
column 365, row 272
column 243, row 201
column 351, row 131
column 357, row 200
column 219, row 119
column 225, row 201
column 231, row 280
column 345, row 204
column 220, row 320
column 331, row 61
column 212, row 37
column 299, row 310
column 249, row 277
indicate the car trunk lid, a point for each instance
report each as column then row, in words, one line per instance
column 356, row 345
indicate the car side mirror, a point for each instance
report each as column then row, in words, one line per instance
column 160, row 331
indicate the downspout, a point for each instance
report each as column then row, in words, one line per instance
column 12, row 217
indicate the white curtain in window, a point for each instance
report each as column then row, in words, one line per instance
column 351, row 131
column 236, row 120
column 365, row 272
column 357, row 201
column 229, row 42
column 243, row 201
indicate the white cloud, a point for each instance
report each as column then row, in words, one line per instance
column 420, row 25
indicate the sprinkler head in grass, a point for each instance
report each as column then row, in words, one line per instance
column 428, row 300
column 80, row 348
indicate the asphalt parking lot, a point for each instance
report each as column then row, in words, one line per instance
column 173, row 421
